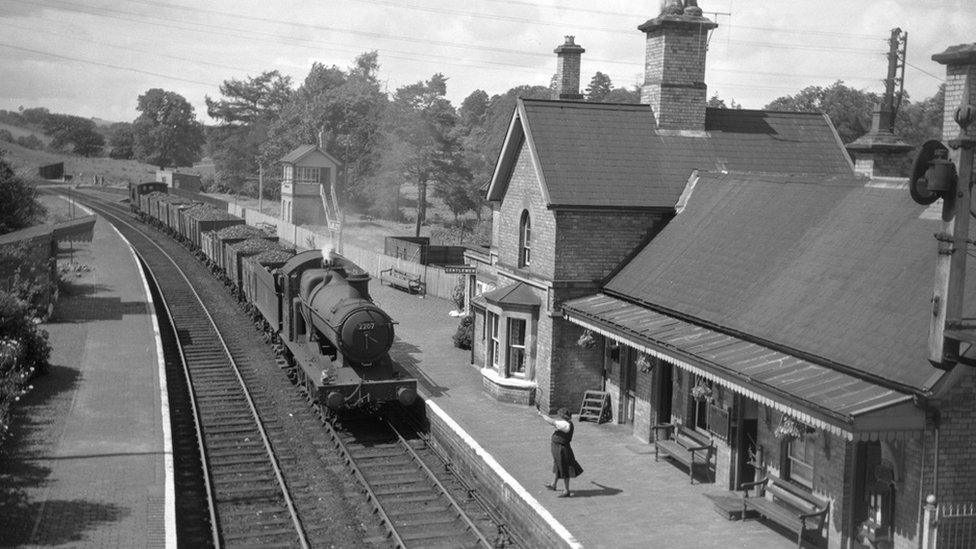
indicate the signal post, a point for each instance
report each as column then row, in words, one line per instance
column 935, row 175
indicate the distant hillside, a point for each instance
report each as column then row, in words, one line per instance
column 115, row 172
column 17, row 131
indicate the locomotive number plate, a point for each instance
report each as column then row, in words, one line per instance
column 366, row 326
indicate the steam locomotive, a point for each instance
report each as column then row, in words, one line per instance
column 315, row 307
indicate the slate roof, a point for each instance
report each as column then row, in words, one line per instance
column 519, row 294
column 611, row 155
column 831, row 267
column 298, row 153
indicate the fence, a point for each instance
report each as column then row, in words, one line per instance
column 948, row 525
column 439, row 282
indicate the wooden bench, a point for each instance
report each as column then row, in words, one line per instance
column 403, row 280
column 684, row 445
column 789, row 506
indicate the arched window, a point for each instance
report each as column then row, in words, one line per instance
column 525, row 237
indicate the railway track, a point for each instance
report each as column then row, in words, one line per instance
column 415, row 506
column 249, row 501
column 252, row 506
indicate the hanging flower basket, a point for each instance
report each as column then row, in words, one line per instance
column 701, row 391
column 789, row 429
column 644, row 363
column 586, row 340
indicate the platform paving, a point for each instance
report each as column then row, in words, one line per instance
column 86, row 465
column 623, row 499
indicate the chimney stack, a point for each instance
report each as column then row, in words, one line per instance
column 568, row 71
column 674, row 71
column 960, row 89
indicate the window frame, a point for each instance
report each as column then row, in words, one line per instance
column 494, row 339
column 791, row 461
column 302, row 173
column 525, row 240
column 699, row 407
column 511, row 347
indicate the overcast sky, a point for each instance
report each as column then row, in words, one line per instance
column 93, row 58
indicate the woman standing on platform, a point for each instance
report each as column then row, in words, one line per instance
column 564, row 464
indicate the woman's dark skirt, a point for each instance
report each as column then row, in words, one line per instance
column 564, row 463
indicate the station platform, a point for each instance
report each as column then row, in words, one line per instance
column 623, row 498
column 89, row 461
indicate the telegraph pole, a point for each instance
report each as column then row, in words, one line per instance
column 897, row 48
column 260, row 187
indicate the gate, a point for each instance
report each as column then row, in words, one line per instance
column 948, row 525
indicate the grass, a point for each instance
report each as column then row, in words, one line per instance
column 17, row 131
column 82, row 169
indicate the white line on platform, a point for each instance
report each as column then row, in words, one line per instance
column 506, row 477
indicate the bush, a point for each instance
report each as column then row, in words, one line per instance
column 24, row 352
column 5, row 135
column 458, row 294
column 30, row 142
column 464, row 336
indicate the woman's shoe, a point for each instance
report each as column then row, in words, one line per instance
column 565, row 495
column 551, row 486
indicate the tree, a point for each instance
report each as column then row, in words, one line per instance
column 166, row 132
column 81, row 133
column 121, row 140
column 473, row 109
column 623, row 95
column 246, row 111
column 717, row 102
column 347, row 106
column 848, row 109
column 599, row 88
column 19, row 207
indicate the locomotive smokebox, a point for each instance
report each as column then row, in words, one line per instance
column 360, row 330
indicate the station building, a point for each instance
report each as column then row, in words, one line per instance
column 728, row 271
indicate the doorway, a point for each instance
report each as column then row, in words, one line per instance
column 748, row 456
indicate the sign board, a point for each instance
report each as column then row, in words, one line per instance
column 458, row 269
column 335, row 225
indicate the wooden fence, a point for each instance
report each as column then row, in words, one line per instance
column 440, row 283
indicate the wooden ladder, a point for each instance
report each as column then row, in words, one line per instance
column 595, row 407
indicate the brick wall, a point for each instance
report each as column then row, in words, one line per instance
column 833, row 467
column 674, row 76
column 523, row 194
column 517, row 513
column 567, row 77
column 955, row 84
column 592, row 243
column 574, row 369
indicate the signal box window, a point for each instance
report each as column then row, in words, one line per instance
column 525, row 237
column 307, row 174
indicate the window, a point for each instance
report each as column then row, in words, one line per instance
column 525, row 237
column 799, row 457
column 493, row 349
column 701, row 392
column 307, row 174
column 516, row 346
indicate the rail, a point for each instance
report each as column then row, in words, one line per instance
column 205, row 457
